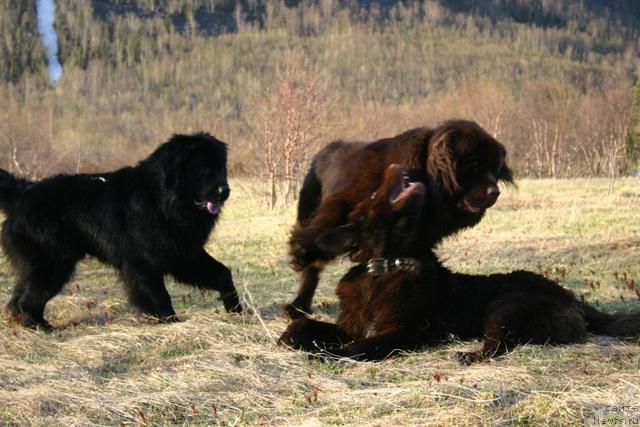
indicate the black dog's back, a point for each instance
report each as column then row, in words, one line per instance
column 10, row 189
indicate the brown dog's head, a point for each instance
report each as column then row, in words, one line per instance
column 385, row 224
column 467, row 163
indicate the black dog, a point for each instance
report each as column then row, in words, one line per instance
column 147, row 221
column 401, row 297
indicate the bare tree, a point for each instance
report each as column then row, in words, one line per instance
column 605, row 116
column 292, row 120
column 549, row 111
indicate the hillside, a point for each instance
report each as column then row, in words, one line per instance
column 535, row 74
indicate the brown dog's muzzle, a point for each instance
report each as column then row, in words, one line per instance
column 479, row 198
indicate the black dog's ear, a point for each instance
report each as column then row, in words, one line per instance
column 506, row 175
column 168, row 160
column 338, row 240
column 441, row 165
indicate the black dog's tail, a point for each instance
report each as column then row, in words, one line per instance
column 615, row 325
column 10, row 189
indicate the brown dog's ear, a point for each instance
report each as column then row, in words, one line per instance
column 338, row 240
column 441, row 165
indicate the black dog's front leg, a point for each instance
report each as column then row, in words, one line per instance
column 207, row 273
column 148, row 293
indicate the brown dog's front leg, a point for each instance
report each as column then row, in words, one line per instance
column 301, row 306
column 307, row 258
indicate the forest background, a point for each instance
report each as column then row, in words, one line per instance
column 555, row 81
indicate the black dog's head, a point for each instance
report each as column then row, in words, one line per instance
column 385, row 224
column 193, row 171
column 467, row 163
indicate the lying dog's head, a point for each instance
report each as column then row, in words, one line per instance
column 193, row 171
column 467, row 163
column 385, row 224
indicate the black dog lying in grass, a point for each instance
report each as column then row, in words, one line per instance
column 399, row 298
column 147, row 221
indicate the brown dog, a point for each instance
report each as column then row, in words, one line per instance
column 401, row 297
column 458, row 162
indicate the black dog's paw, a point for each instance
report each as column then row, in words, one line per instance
column 44, row 327
column 228, row 293
column 173, row 318
column 161, row 318
column 294, row 312
column 231, row 303
column 29, row 321
column 469, row 357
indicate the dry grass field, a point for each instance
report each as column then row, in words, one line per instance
column 105, row 365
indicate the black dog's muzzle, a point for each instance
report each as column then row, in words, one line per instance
column 223, row 192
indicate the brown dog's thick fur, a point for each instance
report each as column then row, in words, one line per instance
column 458, row 162
column 407, row 308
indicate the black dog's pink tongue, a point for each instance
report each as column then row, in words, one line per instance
column 213, row 208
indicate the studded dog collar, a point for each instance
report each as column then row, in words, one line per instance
column 378, row 266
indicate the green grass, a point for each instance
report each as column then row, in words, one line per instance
column 106, row 365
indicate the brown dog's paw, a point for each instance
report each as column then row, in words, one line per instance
column 303, row 249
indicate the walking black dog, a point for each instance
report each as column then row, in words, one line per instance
column 147, row 221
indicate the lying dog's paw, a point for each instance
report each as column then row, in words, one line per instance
column 298, row 337
column 293, row 311
column 290, row 337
